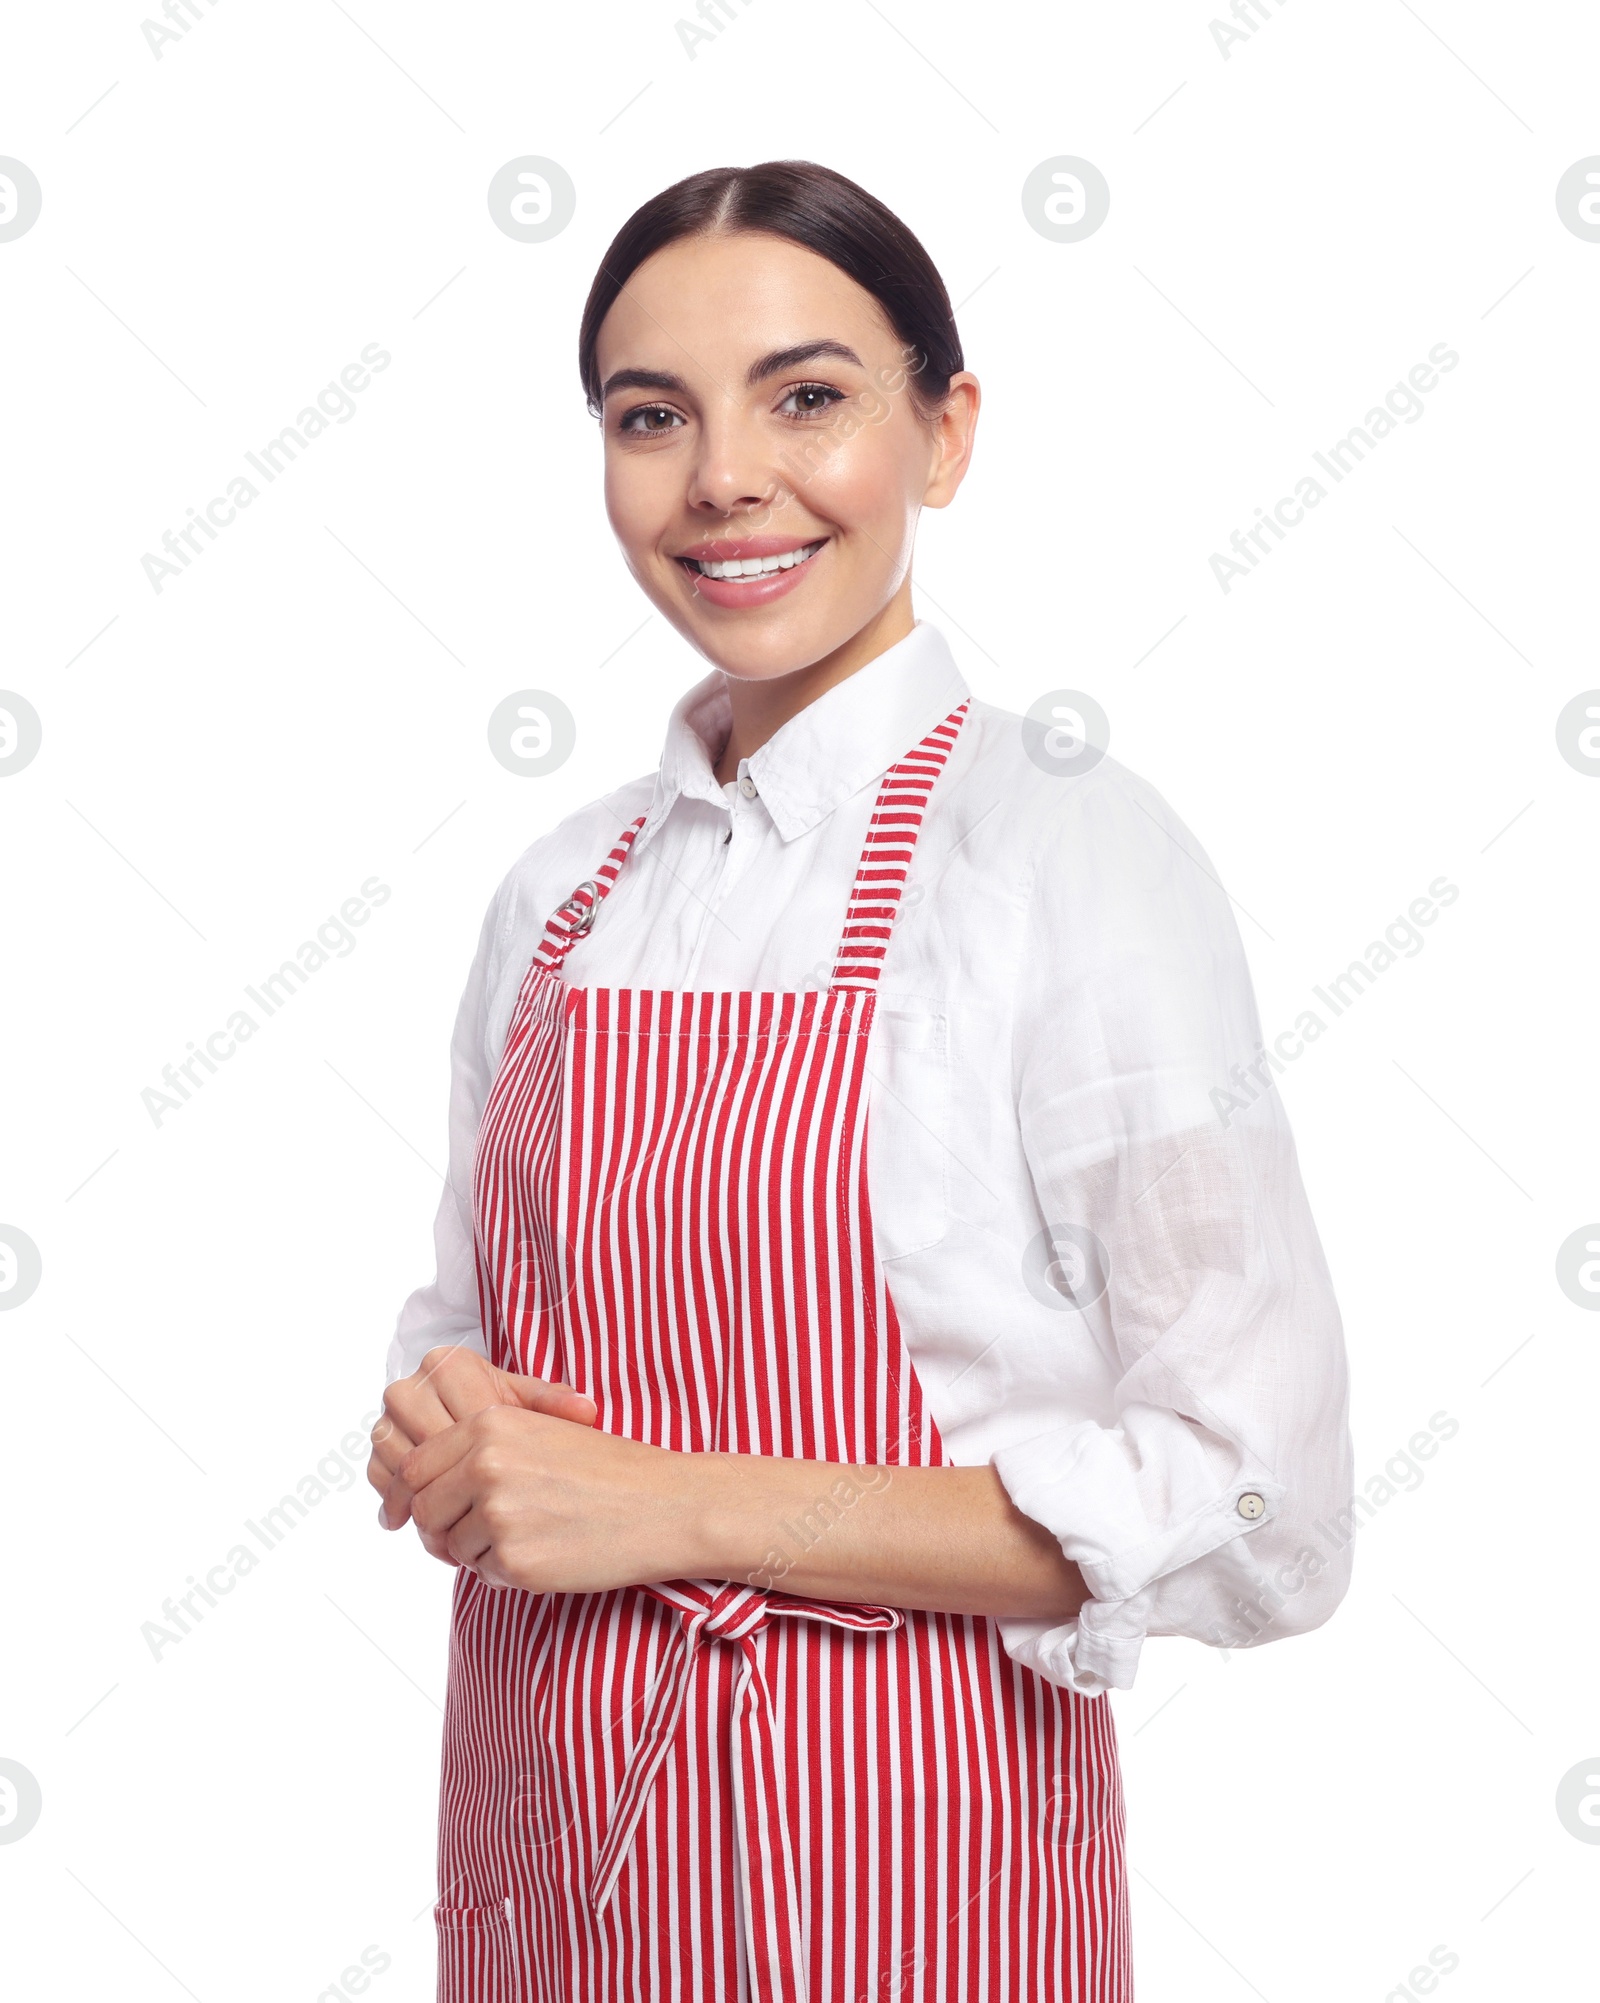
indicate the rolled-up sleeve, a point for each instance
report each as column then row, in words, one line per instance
column 1204, row 1499
column 446, row 1310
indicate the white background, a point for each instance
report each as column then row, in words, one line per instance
column 1292, row 227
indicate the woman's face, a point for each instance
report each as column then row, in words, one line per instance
column 756, row 413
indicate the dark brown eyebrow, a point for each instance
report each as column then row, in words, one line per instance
column 792, row 358
column 766, row 365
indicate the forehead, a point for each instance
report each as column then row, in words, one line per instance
column 717, row 300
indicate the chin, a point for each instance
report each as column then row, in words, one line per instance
column 753, row 656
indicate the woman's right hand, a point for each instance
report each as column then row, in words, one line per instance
column 452, row 1384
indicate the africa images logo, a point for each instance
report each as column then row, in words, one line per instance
column 335, row 404
column 334, row 940
column 1402, row 405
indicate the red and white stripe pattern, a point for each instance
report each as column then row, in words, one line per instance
column 715, row 1789
column 886, row 855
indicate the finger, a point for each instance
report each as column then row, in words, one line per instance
column 464, row 1381
column 391, row 1443
column 394, row 1504
column 436, row 1547
column 414, row 1406
column 452, row 1384
column 468, row 1536
column 470, row 1543
column 380, row 1475
column 556, row 1401
column 394, row 1511
column 437, row 1467
column 424, row 1463
column 470, row 1546
column 438, row 1505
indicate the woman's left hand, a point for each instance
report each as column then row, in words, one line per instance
column 550, row 1506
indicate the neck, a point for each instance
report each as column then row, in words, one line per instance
column 762, row 707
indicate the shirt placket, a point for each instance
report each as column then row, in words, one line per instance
column 737, row 845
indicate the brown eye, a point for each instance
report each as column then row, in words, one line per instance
column 814, row 399
column 650, row 420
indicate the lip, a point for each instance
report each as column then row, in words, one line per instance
column 726, row 549
column 742, row 593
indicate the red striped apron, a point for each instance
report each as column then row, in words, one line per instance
column 711, row 1789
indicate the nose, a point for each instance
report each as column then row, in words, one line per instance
column 733, row 470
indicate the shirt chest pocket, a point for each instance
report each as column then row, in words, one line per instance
column 908, row 1122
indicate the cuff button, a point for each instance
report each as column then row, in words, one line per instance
column 1252, row 1505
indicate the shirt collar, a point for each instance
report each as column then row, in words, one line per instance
column 851, row 734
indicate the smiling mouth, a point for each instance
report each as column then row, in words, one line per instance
column 752, row 566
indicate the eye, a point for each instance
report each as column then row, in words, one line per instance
column 653, row 426
column 815, row 398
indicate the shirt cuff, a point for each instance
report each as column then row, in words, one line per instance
column 1127, row 1505
column 413, row 1339
column 1096, row 1651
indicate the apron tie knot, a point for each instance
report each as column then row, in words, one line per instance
column 734, row 1612
column 707, row 1611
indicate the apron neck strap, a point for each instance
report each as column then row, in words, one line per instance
column 886, row 855
column 880, row 874
column 571, row 921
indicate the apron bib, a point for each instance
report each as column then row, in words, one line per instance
column 709, row 1789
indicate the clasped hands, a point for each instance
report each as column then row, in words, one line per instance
column 509, row 1477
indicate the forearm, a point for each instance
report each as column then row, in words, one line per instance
column 943, row 1539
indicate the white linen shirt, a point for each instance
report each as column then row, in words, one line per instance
column 1059, row 1013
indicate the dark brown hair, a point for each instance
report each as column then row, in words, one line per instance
column 821, row 211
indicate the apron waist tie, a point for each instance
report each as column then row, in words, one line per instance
column 707, row 1611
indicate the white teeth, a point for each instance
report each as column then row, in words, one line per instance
column 759, row 566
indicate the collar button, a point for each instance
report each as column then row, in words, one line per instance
column 747, row 785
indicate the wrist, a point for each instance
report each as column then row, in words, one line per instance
column 715, row 1535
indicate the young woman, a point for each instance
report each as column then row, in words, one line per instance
column 875, row 1284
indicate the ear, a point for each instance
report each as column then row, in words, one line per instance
column 954, row 429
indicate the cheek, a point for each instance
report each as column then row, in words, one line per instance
column 639, row 495
column 867, row 483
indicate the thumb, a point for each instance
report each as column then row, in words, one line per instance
column 556, row 1401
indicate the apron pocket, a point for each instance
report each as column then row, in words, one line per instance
column 477, row 1956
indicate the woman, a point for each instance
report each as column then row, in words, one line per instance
column 850, row 1114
